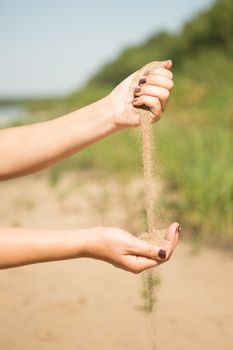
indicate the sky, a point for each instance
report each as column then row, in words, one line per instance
column 51, row 47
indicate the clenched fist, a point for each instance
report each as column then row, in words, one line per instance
column 144, row 88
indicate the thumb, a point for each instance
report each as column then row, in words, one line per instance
column 171, row 237
column 166, row 64
column 148, row 250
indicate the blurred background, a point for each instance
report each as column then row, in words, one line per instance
column 57, row 56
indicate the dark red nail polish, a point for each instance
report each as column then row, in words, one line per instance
column 162, row 254
column 137, row 90
column 142, row 81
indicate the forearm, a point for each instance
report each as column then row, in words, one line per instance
column 27, row 149
column 28, row 246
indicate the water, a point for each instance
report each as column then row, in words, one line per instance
column 11, row 113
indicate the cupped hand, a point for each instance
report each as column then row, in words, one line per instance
column 123, row 250
column 150, row 90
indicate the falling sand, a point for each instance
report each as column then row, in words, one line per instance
column 148, row 157
column 151, row 278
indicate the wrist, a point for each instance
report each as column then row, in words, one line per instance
column 113, row 111
column 92, row 242
column 106, row 110
column 77, row 241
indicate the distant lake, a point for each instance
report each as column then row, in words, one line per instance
column 11, row 113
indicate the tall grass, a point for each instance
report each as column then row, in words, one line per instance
column 199, row 169
column 196, row 146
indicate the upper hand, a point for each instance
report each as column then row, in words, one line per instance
column 127, row 252
column 154, row 93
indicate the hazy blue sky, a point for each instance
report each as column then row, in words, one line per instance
column 53, row 46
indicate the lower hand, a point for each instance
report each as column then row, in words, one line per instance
column 154, row 94
column 127, row 252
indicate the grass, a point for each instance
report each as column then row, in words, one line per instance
column 118, row 154
column 196, row 151
column 199, row 167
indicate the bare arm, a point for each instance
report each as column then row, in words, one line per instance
column 30, row 148
column 28, row 246
column 27, row 149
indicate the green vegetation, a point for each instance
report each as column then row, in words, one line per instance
column 31, row 103
column 195, row 136
column 196, row 146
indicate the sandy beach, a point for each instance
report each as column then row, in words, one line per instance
column 84, row 304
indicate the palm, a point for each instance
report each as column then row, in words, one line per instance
column 124, row 250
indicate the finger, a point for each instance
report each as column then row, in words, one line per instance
column 167, row 64
column 143, row 255
column 137, row 264
column 172, row 229
column 151, row 102
column 176, row 238
column 155, row 91
column 164, row 72
column 150, row 251
column 157, row 80
column 171, row 239
column 153, row 66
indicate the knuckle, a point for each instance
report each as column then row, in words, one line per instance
column 155, row 79
column 158, row 116
column 146, row 91
column 166, row 93
column 149, row 101
column 156, row 102
column 171, row 85
column 143, row 100
column 148, row 252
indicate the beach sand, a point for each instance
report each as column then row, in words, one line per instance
column 86, row 304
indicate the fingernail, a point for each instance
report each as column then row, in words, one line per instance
column 142, row 81
column 137, row 90
column 135, row 100
column 162, row 254
column 178, row 228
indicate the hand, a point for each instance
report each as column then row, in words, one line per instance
column 127, row 252
column 154, row 93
